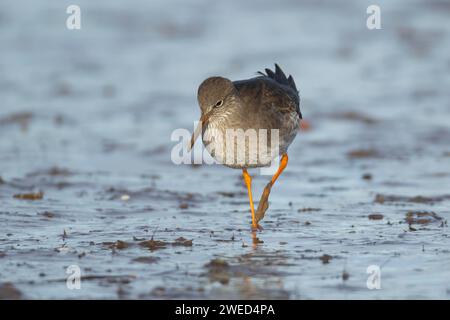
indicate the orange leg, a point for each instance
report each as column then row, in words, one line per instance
column 283, row 165
column 248, row 183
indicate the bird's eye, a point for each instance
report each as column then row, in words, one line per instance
column 218, row 103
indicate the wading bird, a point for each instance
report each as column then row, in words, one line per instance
column 267, row 102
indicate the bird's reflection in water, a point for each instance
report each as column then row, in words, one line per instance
column 256, row 241
column 256, row 273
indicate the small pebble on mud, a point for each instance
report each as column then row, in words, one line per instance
column 125, row 197
column 367, row 176
column 345, row 275
column 325, row 258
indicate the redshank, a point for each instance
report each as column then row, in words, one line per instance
column 268, row 103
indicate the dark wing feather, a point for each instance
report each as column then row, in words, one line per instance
column 292, row 83
column 270, row 74
column 280, row 76
column 287, row 83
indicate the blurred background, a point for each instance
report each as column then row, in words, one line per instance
column 85, row 170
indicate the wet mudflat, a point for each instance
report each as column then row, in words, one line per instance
column 86, row 176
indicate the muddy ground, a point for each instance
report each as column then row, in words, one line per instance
column 86, row 176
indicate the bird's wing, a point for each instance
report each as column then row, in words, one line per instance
column 270, row 91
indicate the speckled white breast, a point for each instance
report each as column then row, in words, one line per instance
column 251, row 148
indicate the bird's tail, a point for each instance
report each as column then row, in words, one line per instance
column 279, row 77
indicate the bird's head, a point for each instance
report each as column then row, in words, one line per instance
column 213, row 94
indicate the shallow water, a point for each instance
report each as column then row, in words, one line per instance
column 86, row 118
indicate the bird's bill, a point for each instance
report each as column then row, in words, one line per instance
column 203, row 121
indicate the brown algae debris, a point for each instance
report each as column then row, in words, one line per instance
column 157, row 244
column 30, row 196
column 380, row 198
column 119, row 244
column 355, row 116
column 148, row 260
column 363, row 153
column 375, row 216
column 422, row 217
column 153, row 244
column 182, row 242
column 309, row 209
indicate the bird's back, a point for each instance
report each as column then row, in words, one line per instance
column 272, row 92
